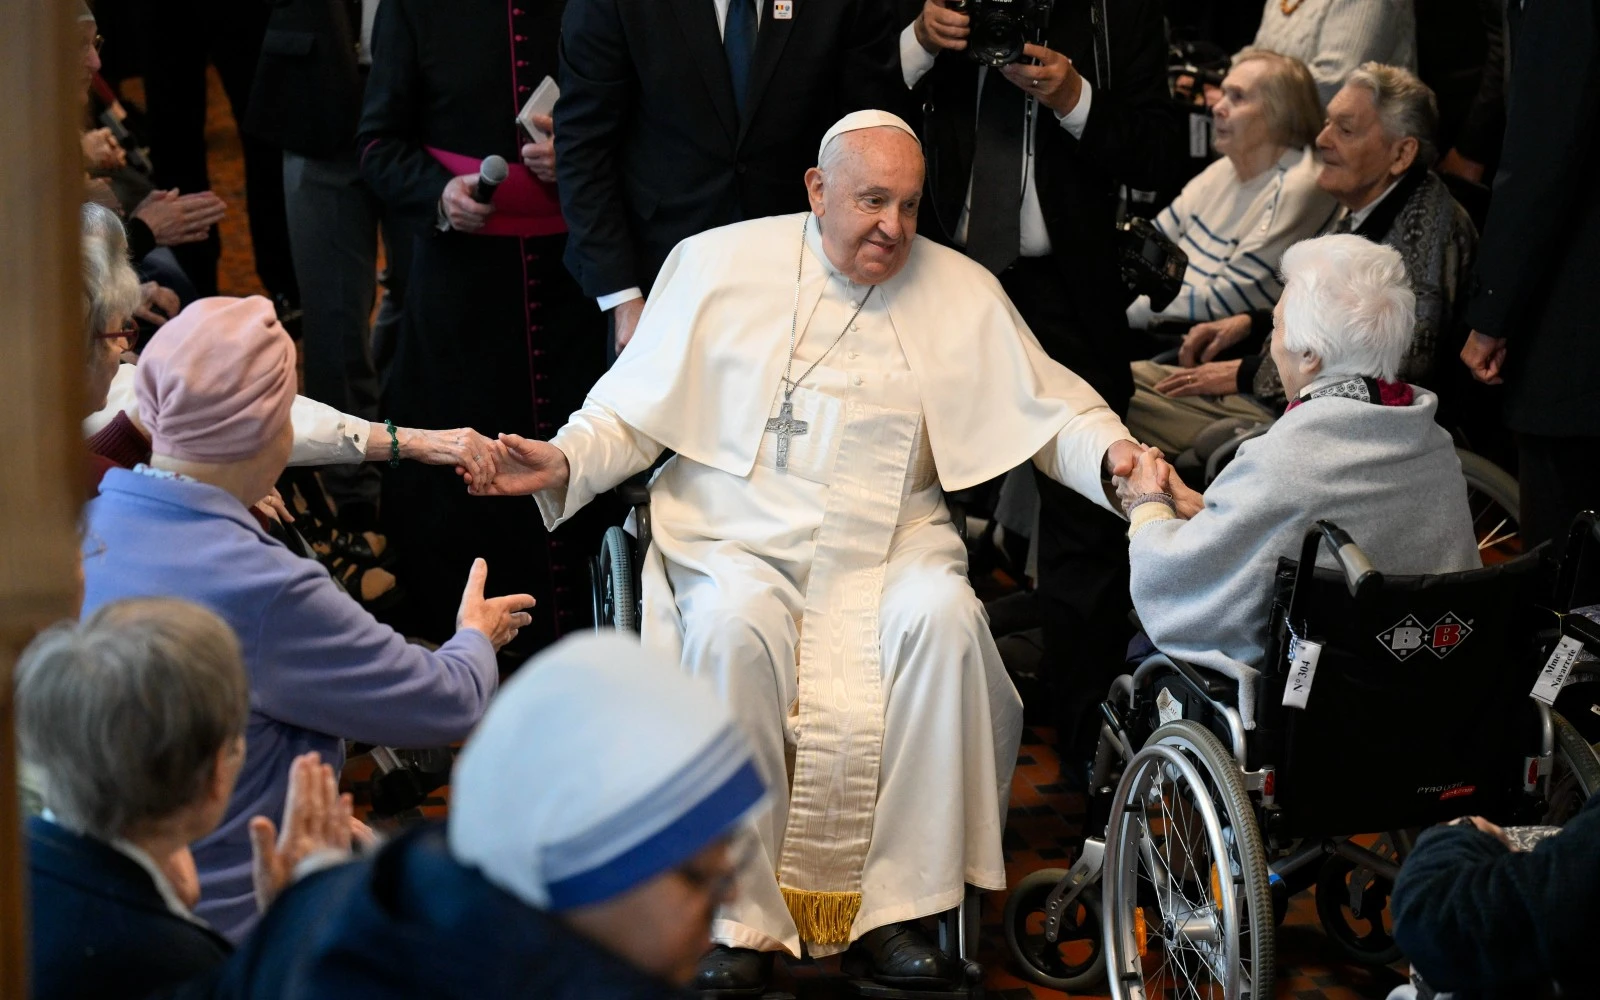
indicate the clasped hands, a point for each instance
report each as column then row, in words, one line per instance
column 1148, row 471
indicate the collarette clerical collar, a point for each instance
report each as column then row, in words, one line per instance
column 814, row 244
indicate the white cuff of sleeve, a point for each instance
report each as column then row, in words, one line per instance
column 915, row 61
column 1074, row 121
column 1146, row 514
column 610, row 302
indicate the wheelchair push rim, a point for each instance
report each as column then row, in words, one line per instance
column 1188, row 912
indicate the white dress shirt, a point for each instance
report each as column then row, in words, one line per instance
column 1360, row 215
column 610, row 302
column 916, row 61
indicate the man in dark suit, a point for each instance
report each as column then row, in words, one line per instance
column 307, row 100
column 678, row 116
column 180, row 38
column 1023, row 167
column 1531, row 307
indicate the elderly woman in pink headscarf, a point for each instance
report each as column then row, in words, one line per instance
column 215, row 388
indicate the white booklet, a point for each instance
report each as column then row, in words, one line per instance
column 542, row 102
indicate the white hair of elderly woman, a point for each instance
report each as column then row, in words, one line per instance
column 110, row 285
column 124, row 715
column 1347, row 300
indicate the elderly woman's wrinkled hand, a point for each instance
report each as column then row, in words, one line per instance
column 316, row 820
column 1189, row 502
column 158, row 304
column 1205, row 341
column 461, row 447
column 1150, row 475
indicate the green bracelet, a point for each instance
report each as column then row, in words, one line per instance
column 394, row 445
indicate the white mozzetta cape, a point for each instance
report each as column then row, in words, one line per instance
column 716, row 331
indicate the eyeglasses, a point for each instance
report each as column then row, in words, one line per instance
column 129, row 331
column 721, row 885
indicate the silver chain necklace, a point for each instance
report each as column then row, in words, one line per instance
column 784, row 425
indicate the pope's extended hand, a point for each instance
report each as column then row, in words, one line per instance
column 1121, row 456
column 524, row 466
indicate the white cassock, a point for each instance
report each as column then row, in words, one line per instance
column 828, row 601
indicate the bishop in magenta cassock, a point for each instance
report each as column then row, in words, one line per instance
column 820, row 377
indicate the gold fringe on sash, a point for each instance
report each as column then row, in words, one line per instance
column 822, row 917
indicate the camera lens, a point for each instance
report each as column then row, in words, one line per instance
column 996, row 37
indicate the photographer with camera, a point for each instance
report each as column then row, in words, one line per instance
column 1066, row 100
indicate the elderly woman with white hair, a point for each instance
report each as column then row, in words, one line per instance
column 1236, row 217
column 1356, row 446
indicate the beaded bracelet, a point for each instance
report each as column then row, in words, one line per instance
column 394, row 445
column 1144, row 498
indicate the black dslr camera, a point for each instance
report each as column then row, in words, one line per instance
column 1151, row 264
column 1001, row 27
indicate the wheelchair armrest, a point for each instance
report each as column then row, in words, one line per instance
column 1217, row 687
column 1223, row 454
column 1166, row 357
column 635, row 492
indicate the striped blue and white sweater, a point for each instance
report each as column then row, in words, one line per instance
column 1234, row 233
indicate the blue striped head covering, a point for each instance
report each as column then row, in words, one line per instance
column 598, row 767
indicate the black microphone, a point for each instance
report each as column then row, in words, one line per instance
column 491, row 174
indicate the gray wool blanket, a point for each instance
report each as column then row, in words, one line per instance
column 1386, row 474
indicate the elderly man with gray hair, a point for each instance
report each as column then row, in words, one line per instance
column 1377, row 150
column 1355, row 446
column 135, row 721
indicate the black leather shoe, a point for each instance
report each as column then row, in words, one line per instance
column 902, row 955
column 733, row 972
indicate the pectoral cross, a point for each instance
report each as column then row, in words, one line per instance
column 786, row 426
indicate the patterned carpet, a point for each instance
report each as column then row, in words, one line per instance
column 1045, row 820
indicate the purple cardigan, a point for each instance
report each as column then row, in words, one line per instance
column 321, row 668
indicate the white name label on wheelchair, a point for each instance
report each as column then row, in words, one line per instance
column 1303, row 657
column 1555, row 671
column 1168, row 708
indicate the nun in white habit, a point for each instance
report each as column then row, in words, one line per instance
column 595, row 821
column 820, row 376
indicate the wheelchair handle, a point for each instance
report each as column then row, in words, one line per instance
column 1360, row 578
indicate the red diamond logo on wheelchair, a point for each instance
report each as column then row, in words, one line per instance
column 1409, row 636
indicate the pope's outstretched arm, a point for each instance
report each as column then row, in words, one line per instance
column 592, row 453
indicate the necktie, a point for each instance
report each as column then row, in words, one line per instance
column 739, row 43
column 994, row 225
column 1344, row 224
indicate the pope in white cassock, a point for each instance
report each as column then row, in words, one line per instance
column 820, row 376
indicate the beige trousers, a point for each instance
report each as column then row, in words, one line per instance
column 1172, row 423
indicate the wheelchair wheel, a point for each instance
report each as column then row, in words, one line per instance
column 1353, row 905
column 1494, row 501
column 1188, row 909
column 1575, row 774
column 1076, row 960
column 616, row 602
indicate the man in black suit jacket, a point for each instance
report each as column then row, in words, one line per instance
column 1069, row 125
column 656, row 142
column 307, row 99
column 101, row 928
column 1532, row 304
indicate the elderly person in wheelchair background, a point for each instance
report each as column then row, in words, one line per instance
column 1355, row 446
column 1377, row 150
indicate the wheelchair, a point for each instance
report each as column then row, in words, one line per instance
column 1402, row 722
column 618, row 604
